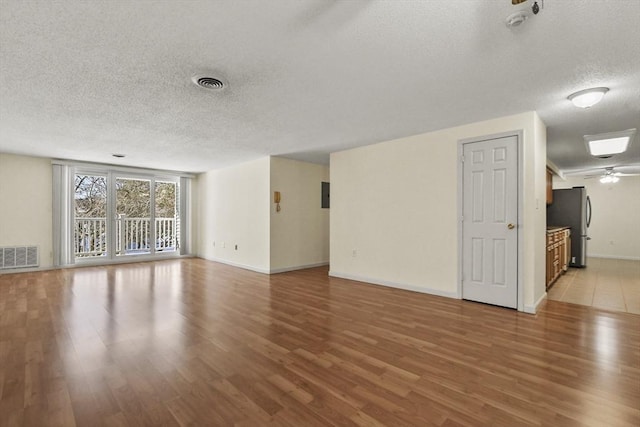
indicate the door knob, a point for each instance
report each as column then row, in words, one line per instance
column 510, row 226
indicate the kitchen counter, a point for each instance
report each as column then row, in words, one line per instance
column 554, row 228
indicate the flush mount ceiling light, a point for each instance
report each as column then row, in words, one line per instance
column 588, row 97
column 119, row 156
column 606, row 145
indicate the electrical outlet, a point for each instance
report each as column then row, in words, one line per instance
column 354, row 253
column 236, row 247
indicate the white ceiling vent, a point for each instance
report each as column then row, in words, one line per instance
column 208, row 82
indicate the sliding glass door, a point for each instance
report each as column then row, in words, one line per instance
column 117, row 215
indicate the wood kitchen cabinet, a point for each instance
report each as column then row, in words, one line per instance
column 558, row 252
column 549, row 186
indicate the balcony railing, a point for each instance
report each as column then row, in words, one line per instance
column 133, row 236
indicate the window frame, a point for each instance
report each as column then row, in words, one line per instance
column 64, row 173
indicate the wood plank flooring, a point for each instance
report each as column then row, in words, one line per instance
column 610, row 284
column 192, row 342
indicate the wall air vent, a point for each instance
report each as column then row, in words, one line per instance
column 19, row 257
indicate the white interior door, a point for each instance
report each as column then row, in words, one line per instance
column 489, row 222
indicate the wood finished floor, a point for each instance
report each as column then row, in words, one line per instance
column 192, row 342
column 610, row 284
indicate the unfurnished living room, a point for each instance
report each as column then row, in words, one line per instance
column 319, row 213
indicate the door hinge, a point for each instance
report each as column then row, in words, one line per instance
column 462, row 159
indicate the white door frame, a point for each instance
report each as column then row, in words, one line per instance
column 520, row 265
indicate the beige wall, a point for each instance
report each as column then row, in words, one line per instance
column 395, row 208
column 233, row 209
column 300, row 231
column 25, row 204
column 615, row 223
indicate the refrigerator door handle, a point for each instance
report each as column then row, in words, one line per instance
column 588, row 211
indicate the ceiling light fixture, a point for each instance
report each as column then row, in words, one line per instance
column 609, row 177
column 606, row 179
column 606, row 145
column 119, row 156
column 588, row 97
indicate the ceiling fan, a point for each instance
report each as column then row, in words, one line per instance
column 608, row 174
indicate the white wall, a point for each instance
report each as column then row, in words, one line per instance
column 26, row 205
column 300, row 231
column 615, row 223
column 233, row 209
column 395, row 205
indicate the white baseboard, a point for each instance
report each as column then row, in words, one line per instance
column 26, row 270
column 93, row 263
column 264, row 270
column 623, row 257
column 533, row 309
column 88, row 262
column 235, row 264
column 396, row 285
column 297, row 267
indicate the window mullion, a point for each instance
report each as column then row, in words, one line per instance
column 152, row 216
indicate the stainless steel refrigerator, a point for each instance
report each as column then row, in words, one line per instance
column 572, row 207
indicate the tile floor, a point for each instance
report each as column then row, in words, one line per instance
column 610, row 284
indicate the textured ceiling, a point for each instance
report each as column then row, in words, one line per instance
column 83, row 80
